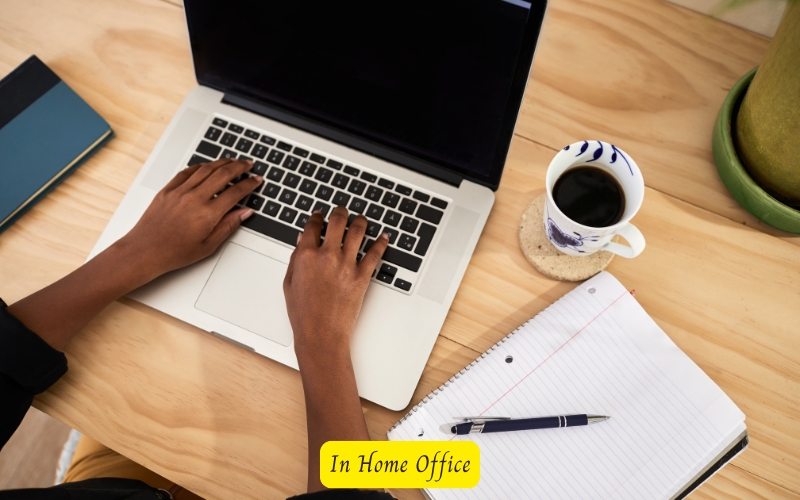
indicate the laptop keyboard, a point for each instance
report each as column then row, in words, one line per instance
column 299, row 180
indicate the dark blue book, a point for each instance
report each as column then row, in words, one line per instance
column 46, row 132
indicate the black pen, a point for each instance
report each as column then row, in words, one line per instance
column 474, row 425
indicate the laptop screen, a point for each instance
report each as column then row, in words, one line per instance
column 440, row 80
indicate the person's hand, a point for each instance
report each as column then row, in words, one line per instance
column 325, row 285
column 186, row 222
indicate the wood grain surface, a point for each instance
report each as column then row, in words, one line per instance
column 225, row 422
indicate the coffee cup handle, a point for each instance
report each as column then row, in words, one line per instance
column 634, row 238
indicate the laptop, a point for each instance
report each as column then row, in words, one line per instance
column 401, row 112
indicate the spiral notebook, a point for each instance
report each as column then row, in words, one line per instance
column 594, row 351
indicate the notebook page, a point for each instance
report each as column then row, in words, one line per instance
column 594, row 351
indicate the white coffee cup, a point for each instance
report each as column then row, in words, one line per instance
column 577, row 239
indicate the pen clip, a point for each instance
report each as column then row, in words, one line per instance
column 480, row 419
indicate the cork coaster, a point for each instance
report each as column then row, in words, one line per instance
column 546, row 258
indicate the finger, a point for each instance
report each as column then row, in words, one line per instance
column 336, row 226
column 373, row 256
column 312, row 231
column 202, row 173
column 226, row 227
column 231, row 196
column 182, row 176
column 354, row 238
column 220, row 178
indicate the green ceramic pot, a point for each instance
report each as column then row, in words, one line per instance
column 743, row 188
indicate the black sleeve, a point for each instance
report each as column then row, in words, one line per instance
column 345, row 495
column 28, row 366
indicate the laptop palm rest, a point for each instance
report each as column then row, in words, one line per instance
column 246, row 289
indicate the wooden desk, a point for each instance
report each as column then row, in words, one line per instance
column 227, row 423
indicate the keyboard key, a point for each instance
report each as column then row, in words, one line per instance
column 219, row 122
column 385, row 278
column 275, row 157
column 317, row 158
column 302, row 153
column 375, row 211
column 308, row 186
column 369, row 177
column 388, row 269
column 282, row 145
column 386, row 183
column 287, row 196
column 323, row 175
column 408, row 206
column 392, row 218
column 195, row 159
column 322, row 207
column 373, row 229
column 307, row 168
column 304, row 204
column 403, row 190
column 235, row 128
column 409, row 225
column 208, row 149
column 260, row 151
column 429, row 214
column 402, row 284
column 398, row 257
column 425, row 234
column 212, row 134
column 406, row 242
column 324, row 193
column 291, row 180
column 272, row 228
column 228, row 139
column 272, row 190
column 336, row 165
column 267, row 140
column 260, row 168
column 436, row 202
column 244, row 145
column 255, row 202
column 301, row 221
column 341, row 199
column 288, row 215
column 374, row 193
column 357, row 187
column 357, row 205
column 272, row 208
column 391, row 233
column 291, row 162
column 275, row 174
column 390, row 199
column 251, row 134
column 228, row 154
column 340, row 181
column 351, row 170
column 421, row 197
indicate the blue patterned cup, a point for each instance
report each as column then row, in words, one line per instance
column 576, row 239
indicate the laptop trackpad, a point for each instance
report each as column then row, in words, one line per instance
column 246, row 289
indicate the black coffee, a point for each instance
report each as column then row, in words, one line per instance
column 589, row 196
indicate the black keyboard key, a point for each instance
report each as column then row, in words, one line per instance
column 369, row 177
column 272, row 228
column 341, row 199
column 429, row 214
column 388, row 269
column 324, row 193
column 272, row 190
column 267, row 140
column 308, row 186
column 228, row 139
column 336, row 165
column 398, row 257
column 251, row 134
column 288, row 215
column 301, row 221
column 212, row 134
column 255, row 202
column 351, row 170
column 409, row 225
column 402, row 284
column 322, row 207
column 406, row 242
column 235, row 128
column 436, row 202
column 403, row 190
column 374, row 193
column 317, row 158
column 287, row 196
column 195, row 159
column 244, row 145
column 275, row 174
column 282, row 145
column 208, row 149
column 304, row 203
column 302, row 153
column 228, row 154
column 392, row 218
column 275, row 157
column 390, row 199
column 421, row 197
column 307, row 168
column 272, row 208
column 425, row 234
column 386, row 183
column 260, row 151
column 391, row 233
column 323, row 174
column 385, row 278
column 408, row 206
column 260, row 168
column 291, row 180
column 358, row 205
column 373, row 229
column 356, row 187
column 291, row 162
column 219, row 122
column 340, row 181
column 375, row 211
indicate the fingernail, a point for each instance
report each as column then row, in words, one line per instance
column 384, row 236
column 247, row 213
column 299, row 237
column 259, row 178
column 316, row 212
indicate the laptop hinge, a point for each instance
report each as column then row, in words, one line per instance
column 345, row 138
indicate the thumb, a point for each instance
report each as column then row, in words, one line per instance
column 227, row 226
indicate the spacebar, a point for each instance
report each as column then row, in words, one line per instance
column 271, row 228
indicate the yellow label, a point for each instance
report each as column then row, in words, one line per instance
column 400, row 464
